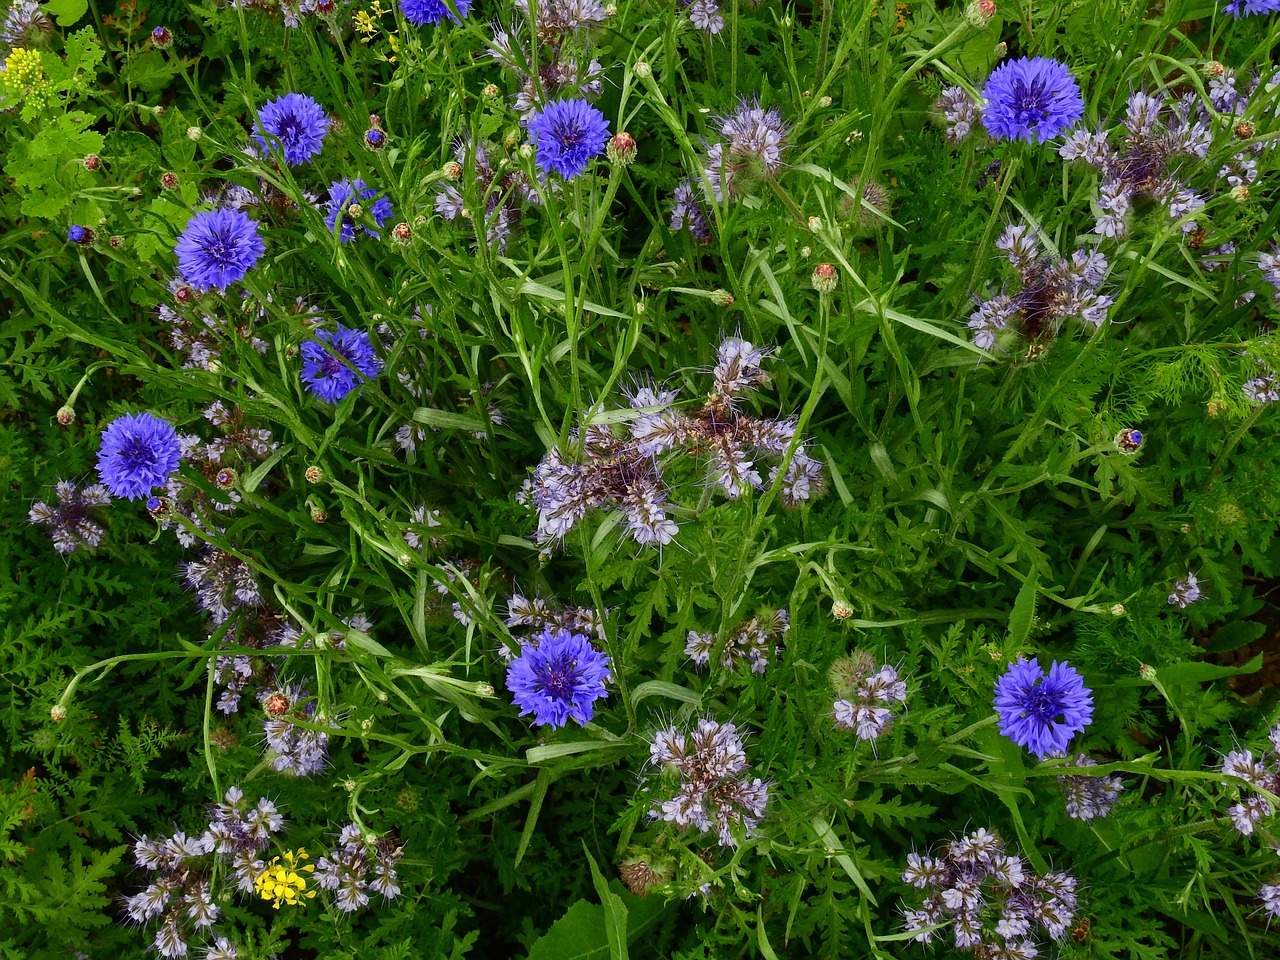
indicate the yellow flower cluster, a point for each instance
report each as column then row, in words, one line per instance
column 283, row 882
column 22, row 68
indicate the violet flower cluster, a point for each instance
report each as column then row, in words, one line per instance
column 716, row 792
column 625, row 473
column 296, row 735
column 991, row 898
column 751, row 642
column 205, row 338
column 1089, row 797
column 749, row 150
column 558, row 677
column 181, row 892
column 865, row 695
column 566, row 69
column 1146, row 162
column 502, row 187
column 357, row 865
column 73, row 521
column 1050, row 291
column 1185, row 591
column 1250, row 810
column 525, row 611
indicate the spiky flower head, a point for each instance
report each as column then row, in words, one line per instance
column 297, row 122
column 1042, row 712
column 422, row 12
column 557, row 677
column 139, row 451
column 336, row 362
column 568, row 134
column 218, row 248
column 1031, row 99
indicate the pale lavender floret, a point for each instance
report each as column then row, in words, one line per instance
column 923, row 871
column 960, row 111
column 71, row 521
column 990, row 318
column 738, row 366
column 221, row 949
column 1142, row 112
column 1260, row 390
column 1185, row 592
column 223, row 584
column 1246, row 815
column 1269, row 894
column 866, row 722
column 705, row 15
column 169, row 940
column 1019, row 244
column 1089, row 797
column 1088, row 146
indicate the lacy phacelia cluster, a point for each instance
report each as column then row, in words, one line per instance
column 750, row 149
column 358, row 865
column 1089, row 798
column 181, row 893
column 1050, row 292
column 1145, row 162
column 992, row 899
column 749, row 643
column 296, row 735
column 71, row 521
column 625, row 473
column 504, row 189
column 1249, row 812
column 535, row 612
column 202, row 337
column 562, row 29
column 715, row 793
column 1185, row 592
column 865, row 695
column 960, row 111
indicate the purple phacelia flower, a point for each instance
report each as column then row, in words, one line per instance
column 558, row 676
column 1032, row 99
column 1042, row 712
column 71, row 522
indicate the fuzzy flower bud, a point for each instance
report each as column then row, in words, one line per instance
column 401, row 233
column 66, row 416
column 980, row 13
column 92, row 162
column 825, row 277
column 643, row 70
column 721, row 298
column 621, row 149
column 162, row 38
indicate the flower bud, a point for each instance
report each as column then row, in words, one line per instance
column 169, row 181
column 82, row 236
column 815, row 224
column 317, row 512
column 402, row 233
column 1240, row 193
column 66, row 416
column 643, row 70
column 1147, row 672
column 1244, row 130
column 374, row 138
column 526, row 150
column 314, row 474
column 355, row 211
column 722, row 298
column 490, row 90
column 276, row 705
column 980, row 13
column 1129, row 441
column 1213, row 69
column 841, row 610
column 825, row 277
column 162, row 38
column 621, row 149
column 453, row 169
column 116, row 242
column 194, row 133
column 225, row 478
column 92, row 162
column 824, row 101
column 58, row 713
column 1118, row 610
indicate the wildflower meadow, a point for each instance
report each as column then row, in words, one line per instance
column 690, row 479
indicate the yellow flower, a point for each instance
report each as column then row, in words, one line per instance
column 283, row 882
column 23, row 68
column 363, row 22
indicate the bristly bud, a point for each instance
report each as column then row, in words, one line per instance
column 1244, row 129
column 621, row 149
column 1001, row 50
column 490, row 91
column 92, row 162
column 1147, row 673
column 1240, row 193
column 226, row 477
column 184, row 294
column 169, row 181
column 402, row 233
column 815, row 224
column 1213, row 69
column 453, row 170
column 722, row 298
column 194, row 133
column 845, row 673
column 317, row 512
column 66, row 416
column 841, row 610
column 1117, row 610
column 58, row 713
column 824, row 101
column 355, row 211
column 1129, row 441
column 116, row 242
column 276, row 704
column 825, row 277
column 640, row 876
column 643, row 70
column 980, row 13
column 374, row 138
column 162, row 38
column 82, row 236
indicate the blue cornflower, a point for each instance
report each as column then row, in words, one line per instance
column 218, row 248
column 1250, row 8
column 80, row 235
column 138, row 453
column 567, row 134
column 346, row 193
column 561, row 677
column 298, row 122
column 422, row 12
column 1031, row 99
column 1042, row 713
column 334, row 364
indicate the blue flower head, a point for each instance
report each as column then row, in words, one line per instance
column 298, row 122
column 567, row 134
column 138, row 453
column 335, row 363
column 1042, row 713
column 1251, row 8
column 218, row 248
column 560, row 677
column 1031, row 99
column 345, row 193
column 422, row 12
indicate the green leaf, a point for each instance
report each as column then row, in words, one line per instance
column 1024, row 609
column 661, row 688
column 67, row 12
column 1204, row 672
column 578, row 935
column 615, row 912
